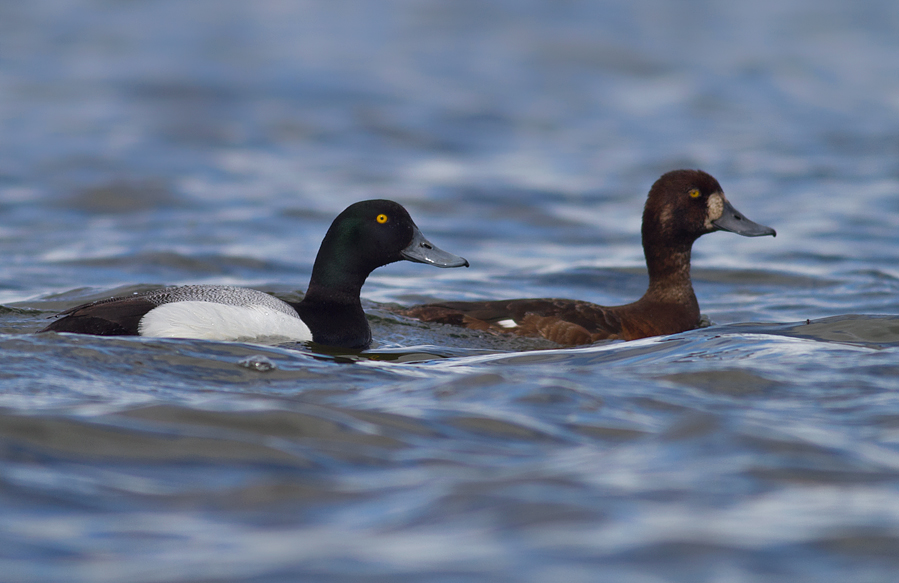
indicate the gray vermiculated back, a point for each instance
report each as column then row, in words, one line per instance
column 220, row 294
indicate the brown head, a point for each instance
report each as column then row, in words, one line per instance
column 683, row 205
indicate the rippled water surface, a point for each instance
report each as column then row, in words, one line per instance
column 154, row 142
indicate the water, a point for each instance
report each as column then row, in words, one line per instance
column 154, row 143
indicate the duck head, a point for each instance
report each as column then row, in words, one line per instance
column 683, row 205
column 365, row 236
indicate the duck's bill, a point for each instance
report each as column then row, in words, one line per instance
column 420, row 250
column 733, row 220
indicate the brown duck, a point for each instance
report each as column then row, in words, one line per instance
column 682, row 206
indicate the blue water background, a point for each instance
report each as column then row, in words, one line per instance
column 149, row 143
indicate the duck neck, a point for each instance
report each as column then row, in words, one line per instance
column 330, row 290
column 331, row 307
column 338, row 272
column 669, row 274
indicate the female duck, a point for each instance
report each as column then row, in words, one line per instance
column 682, row 206
column 365, row 236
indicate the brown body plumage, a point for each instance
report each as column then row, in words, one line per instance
column 682, row 206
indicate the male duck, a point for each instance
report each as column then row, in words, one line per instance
column 682, row 206
column 363, row 237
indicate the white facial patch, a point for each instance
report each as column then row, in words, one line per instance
column 716, row 209
column 213, row 321
column 510, row 323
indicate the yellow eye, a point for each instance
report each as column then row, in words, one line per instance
column 694, row 193
column 382, row 218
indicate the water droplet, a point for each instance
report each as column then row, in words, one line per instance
column 258, row 363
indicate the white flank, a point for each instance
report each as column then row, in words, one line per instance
column 508, row 323
column 213, row 321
